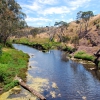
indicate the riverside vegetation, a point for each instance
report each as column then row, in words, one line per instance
column 12, row 63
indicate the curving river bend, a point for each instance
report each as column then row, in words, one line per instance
column 62, row 80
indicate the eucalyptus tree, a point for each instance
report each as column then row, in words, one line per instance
column 84, row 17
column 11, row 16
column 34, row 31
column 79, row 20
column 62, row 25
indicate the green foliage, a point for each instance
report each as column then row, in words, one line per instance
column 61, row 23
column 84, row 56
column 85, row 16
column 9, row 44
column 11, row 19
column 12, row 63
column 45, row 43
column 21, row 40
column 69, row 49
column 51, row 45
column 10, row 85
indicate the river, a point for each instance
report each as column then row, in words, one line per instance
column 57, row 79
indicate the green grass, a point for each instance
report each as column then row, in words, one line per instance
column 69, row 49
column 45, row 43
column 84, row 56
column 51, row 45
column 12, row 63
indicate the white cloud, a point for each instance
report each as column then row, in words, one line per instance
column 77, row 3
column 32, row 19
column 40, row 6
column 52, row 10
column 33, row 7
column 55, row 10
column 49, row 2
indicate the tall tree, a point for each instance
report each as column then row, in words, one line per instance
column 62, row 25
column 34, row 31
column 11, row 17
column 84, row 17
column 79, row 20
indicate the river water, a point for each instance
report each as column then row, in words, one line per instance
column 62, row 80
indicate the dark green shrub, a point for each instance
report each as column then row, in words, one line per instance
column 69, row 49
column 9, row 44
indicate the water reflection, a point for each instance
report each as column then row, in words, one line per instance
column 73, row 80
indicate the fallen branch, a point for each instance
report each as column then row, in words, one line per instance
column 34, row 92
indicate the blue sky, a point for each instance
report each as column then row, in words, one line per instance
column 46, row 12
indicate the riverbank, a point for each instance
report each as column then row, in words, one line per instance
column 41, row 44
column 44, row 44
column 47, row 45
column 12, row 63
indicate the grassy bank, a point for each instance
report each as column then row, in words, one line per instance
column 12, row 63
column 43, row 42
column 83, row 55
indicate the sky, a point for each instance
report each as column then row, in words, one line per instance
column 41, row 13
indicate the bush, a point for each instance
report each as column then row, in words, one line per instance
column 34, row 31
column 84, row 56
column 9, row 44
column 69, row 49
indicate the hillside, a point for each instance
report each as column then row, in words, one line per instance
column 70, row 36
column 89, row 42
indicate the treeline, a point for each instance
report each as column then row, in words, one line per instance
column 11, row 19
